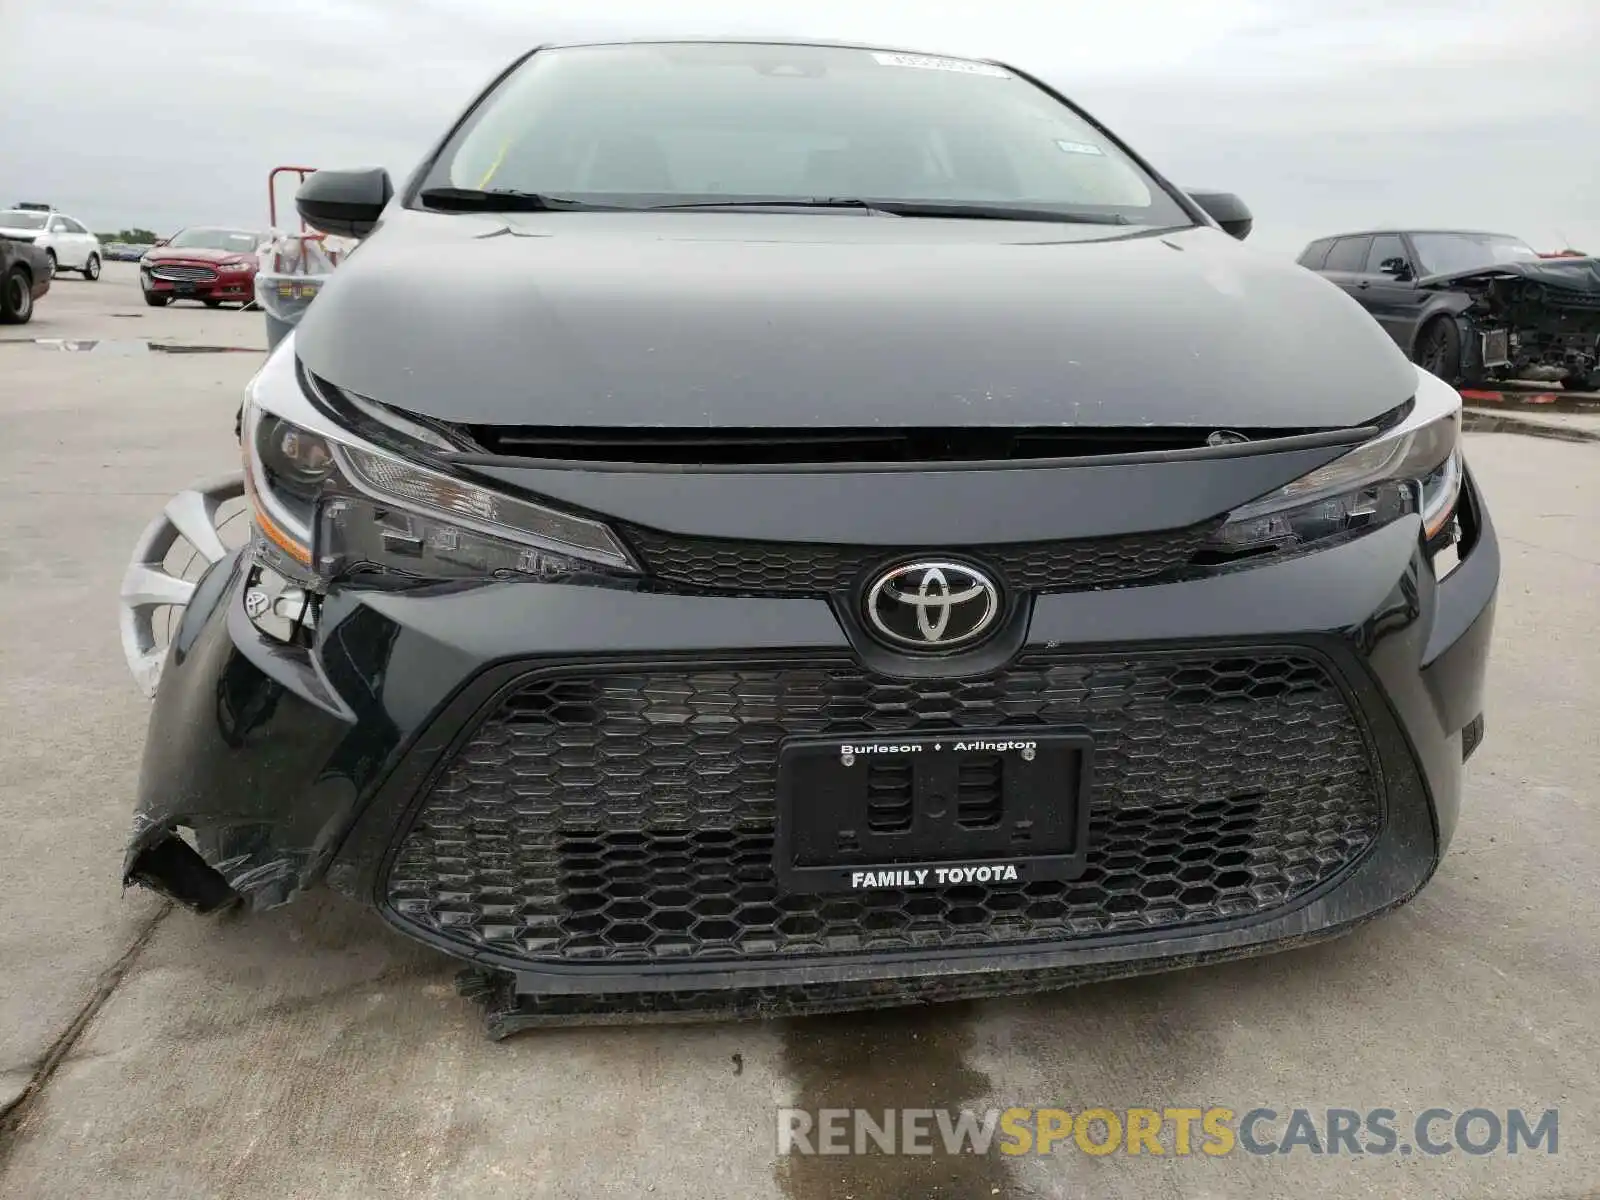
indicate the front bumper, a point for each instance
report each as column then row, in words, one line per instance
column 291, row 766
column 237, row 287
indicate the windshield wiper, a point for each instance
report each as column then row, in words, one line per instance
column 914, row 208
column 455, row 199
column 796, row 202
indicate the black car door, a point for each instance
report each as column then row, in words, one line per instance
column 1346, row 265
column 1387, row 287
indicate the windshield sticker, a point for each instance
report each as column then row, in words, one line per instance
column 1079, row 147
column 927, row 62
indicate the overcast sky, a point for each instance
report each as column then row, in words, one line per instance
column 1323, row 114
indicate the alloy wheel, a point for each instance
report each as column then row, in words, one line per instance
column 201, row 525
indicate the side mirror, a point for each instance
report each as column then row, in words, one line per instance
column 345, row 203
column 1399, row 268
column 1228, row 211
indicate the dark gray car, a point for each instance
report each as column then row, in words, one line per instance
column 24, row 277
column 758, row 528
column 1472, row 307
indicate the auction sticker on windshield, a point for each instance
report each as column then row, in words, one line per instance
column 929, row 63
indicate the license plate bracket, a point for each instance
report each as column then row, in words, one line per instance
column 927, row 811
column 183, row 288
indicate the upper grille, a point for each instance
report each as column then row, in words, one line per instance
column 180, row 274
column 628, row 815
column 815, row 569
column 775, row 445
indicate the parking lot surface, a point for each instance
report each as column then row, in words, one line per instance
column 309, row 1052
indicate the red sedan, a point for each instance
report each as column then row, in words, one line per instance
column 212, row 265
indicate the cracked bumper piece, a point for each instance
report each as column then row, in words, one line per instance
column 574, row 789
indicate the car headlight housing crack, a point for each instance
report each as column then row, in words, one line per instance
column 327, row 505
column 1414, row 467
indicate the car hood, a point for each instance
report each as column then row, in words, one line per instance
column 823, row 320
column 198, row 254
column 1567, row 274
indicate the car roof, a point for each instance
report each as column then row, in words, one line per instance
column 1408, row 231
column 43, row 212
column 820, row 43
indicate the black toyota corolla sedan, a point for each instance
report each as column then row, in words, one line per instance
column 763, row 528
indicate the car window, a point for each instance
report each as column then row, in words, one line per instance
column 684, row 123
column 1313, row 254
column 1445, row 253
column 1348, row 254
column 1386, row 247
column 236, row 241
column 22, row 219
column 58, row 226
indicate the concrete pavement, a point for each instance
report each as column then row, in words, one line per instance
column 309, row 1052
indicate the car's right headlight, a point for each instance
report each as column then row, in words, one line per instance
column 1413, row 467
column 328, row 505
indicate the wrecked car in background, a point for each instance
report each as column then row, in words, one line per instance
column 1472, row 307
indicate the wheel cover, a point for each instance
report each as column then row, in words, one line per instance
column 198, row 527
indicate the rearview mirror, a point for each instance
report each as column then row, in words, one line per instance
column 345, row 203
column 1398, row 267
column 1228, row 211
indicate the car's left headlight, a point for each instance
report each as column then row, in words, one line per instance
column 1414, row 467
column 328, row 505
column 234, row 268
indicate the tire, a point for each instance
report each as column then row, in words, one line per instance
column 156, row 299
column 16, row 297
column 212, row 303
column 1438, row 350
column 91, row 268
column 50, row 255
column 1582, row 381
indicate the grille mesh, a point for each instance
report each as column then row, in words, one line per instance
column 628, row 816
column 800, row 568
column 181, row 274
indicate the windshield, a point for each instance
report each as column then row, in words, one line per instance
column 236, row 241
column 677, row 123
column 1447, row 253
column 22, row 219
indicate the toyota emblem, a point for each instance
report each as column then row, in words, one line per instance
column 932, row 605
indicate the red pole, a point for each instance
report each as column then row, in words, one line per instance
column 272, row 191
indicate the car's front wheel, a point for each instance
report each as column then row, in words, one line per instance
column 212, row 303
column 91, row 269
column 50, row 257
column 1439, row 350
column 16, row 297
column 156, row 299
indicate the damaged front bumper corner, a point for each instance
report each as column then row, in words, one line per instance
column 198, row 836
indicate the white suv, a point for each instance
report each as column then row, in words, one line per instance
column 68, row 243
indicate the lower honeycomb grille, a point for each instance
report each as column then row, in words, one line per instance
column 620, row 815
